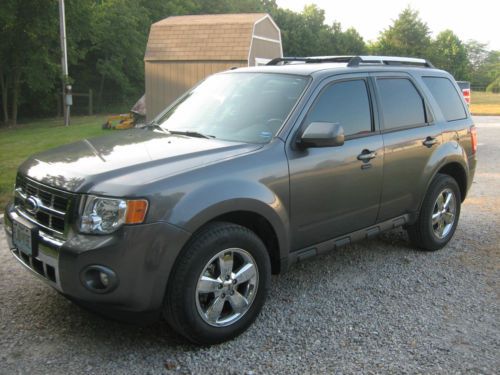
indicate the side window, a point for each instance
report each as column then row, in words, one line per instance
column 402, row 105
column 346, row 103
column 446, row 97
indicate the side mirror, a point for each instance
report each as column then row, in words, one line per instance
column 322, row 134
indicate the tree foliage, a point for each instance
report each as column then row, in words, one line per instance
column 407, row 36
column 107, row 39
column 410, row 36
column 30, row 52
column 449, row 53
column 26, row 52
column 306, row 34
column 485, row 66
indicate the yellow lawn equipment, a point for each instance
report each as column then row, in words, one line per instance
column 125, row 121
column 136, row 116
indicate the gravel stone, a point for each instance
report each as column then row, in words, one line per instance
column 378, row 306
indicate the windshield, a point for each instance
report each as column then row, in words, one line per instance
column 244, row 107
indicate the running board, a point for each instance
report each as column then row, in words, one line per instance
column 347, row 239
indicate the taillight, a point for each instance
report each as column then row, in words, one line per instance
column 466, row 93
column 473, row 137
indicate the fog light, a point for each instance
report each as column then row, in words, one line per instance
column 104, row 279
column 99, row 279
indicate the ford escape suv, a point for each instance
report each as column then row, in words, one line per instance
column 248, row 172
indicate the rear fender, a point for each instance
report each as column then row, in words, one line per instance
column 446, row 153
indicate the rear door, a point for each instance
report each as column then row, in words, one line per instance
column 410, row 137
column 332, row 191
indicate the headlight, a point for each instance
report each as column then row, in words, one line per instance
column 105, row 215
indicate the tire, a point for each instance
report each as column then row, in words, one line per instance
column 438, row 219
column 198, row 286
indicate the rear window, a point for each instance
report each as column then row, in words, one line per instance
column 402, row 105
column 446, row 97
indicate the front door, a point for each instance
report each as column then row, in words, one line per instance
column 336, row 190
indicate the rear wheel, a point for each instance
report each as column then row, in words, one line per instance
column 218, row 285
column 438, row 216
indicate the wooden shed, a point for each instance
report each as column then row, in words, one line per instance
column 183, row 50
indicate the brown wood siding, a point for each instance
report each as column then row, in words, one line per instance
column 166, row 81
column 266, row 29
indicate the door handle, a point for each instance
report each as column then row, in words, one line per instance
column 430, row 141
column 367, row 155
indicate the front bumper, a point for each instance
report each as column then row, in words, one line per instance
column 141, row 256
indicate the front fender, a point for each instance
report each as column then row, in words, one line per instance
column 209, row 201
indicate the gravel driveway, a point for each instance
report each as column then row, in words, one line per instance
column 378, row 306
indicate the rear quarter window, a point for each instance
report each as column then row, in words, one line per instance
column 447, row 97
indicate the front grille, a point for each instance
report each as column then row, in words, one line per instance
column 53, row 208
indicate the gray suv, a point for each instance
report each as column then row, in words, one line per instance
column 248, row 172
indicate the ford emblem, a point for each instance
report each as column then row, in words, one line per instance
column 32, row 205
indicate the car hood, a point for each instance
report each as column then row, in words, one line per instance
column 79, row 166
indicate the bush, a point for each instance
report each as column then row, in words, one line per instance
column 494, row 86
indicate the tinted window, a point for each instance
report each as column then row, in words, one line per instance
column 464, row 85
column 401, row 104
column 242, row 107
column 345, row 103
column 446, row 97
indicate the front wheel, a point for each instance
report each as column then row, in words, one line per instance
column 218, row 285
column 438, row 216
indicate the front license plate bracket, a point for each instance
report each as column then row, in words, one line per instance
column 25, row 237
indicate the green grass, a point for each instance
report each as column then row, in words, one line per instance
column 19, row 142
column 485, row 103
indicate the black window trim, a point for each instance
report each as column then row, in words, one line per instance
column 327, row 85
column 429, row 116
column 460, row 95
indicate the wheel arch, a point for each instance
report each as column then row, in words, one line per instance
column 448, row 160
column 453, row 166
column 457, row 172
column 262, row 227
column 268, row 221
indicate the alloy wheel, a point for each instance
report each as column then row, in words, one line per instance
column 227, row 287
column 444, row 213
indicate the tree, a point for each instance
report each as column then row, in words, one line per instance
column 449, row 53
column 408, row 36
column 107, row 40
column 476, row 53
column 485, row 65
column 228, row 6
column 302, row 34
column 347, row 42
column 306, row 34
column 7, row 20
column 30, row 50
column 489, row 70
column 26, row 56
column 119, row 41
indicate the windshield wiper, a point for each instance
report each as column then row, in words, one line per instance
column 191, row 133
column 154, row 125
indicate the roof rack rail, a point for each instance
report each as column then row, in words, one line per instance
column 312, row 59
column 389, row 60
column 353, row 61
